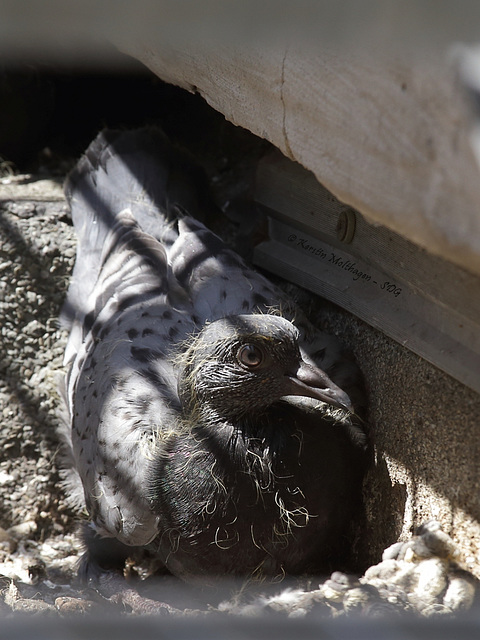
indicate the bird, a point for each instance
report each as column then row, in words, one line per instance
column 207, row 420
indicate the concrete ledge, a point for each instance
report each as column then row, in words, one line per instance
column 390, row 138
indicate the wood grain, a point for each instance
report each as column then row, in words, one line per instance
column 390, row 138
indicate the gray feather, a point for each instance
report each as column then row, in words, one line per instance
column 146, row 279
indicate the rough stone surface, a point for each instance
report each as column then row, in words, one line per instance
column 37, row 249
column 425, row 426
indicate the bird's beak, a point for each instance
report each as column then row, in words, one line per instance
column 310, row 381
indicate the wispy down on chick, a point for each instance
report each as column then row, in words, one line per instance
column 200, row 399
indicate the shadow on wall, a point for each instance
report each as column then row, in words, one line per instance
column 426, row 435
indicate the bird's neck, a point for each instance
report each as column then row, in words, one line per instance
column 255, row 440
column 211, row 409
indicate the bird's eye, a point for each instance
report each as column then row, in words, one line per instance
column 249, row 355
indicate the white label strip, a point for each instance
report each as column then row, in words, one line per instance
column 436, row 332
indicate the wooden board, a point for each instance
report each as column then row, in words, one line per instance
column 424, row 302
column 389, row 135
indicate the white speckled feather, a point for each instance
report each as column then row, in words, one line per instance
column 140, row 287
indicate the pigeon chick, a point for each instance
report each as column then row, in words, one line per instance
column 209, row 421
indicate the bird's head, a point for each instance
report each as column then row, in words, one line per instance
column 241, row 365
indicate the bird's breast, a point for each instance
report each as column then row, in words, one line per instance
column 234, row 510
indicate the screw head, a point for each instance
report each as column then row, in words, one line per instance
column 346, row 226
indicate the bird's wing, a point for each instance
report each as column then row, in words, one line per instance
column 125, row 312
column 217, row 280
column 137, row 170
column 122, row 385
